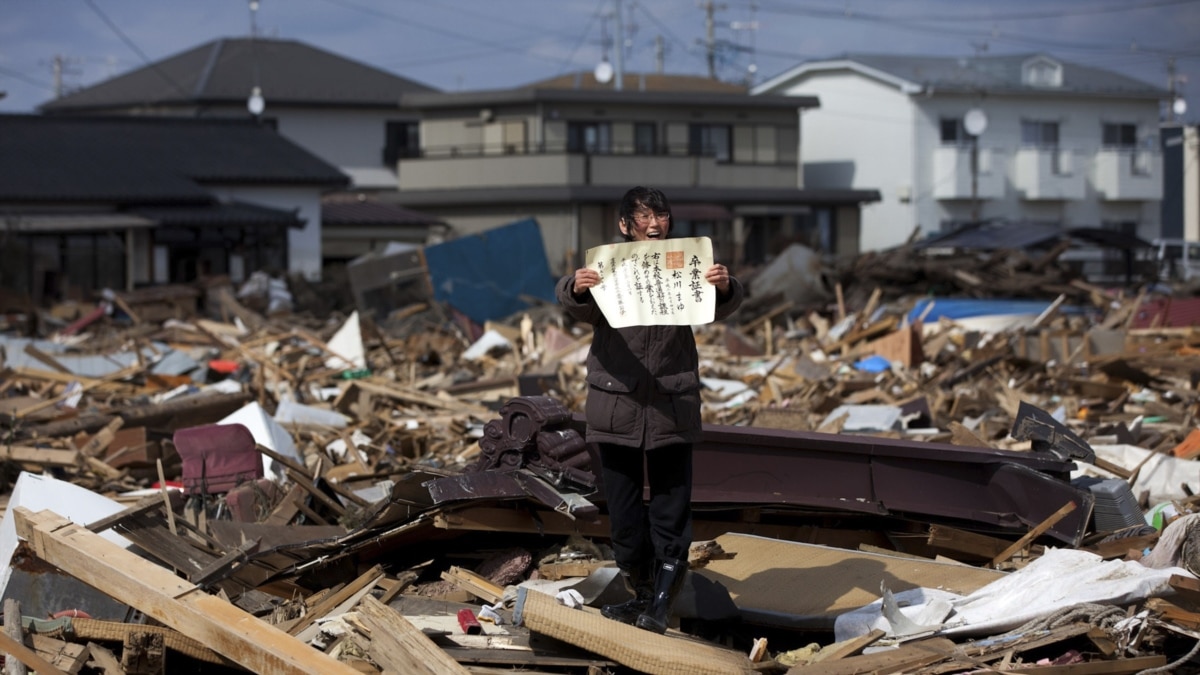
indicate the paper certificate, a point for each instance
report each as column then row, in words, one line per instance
column 660, row 282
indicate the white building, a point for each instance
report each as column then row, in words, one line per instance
column 1061, row 144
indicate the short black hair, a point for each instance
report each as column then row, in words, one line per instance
column 651, row 198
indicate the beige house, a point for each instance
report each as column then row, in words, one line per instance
column 729, row 162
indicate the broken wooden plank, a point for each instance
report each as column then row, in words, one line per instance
column 43, row 456
column 400, row 647
column 65, row 656
column 101, row 439
column 112, row 377
column 904, row 659
column 365, row 580
column 628, row 645
column 1034, row 533
column 962, row 541
column 27, row 656
column 164, row 596
column 848, row 648
column 14, row 630
column 474, row 584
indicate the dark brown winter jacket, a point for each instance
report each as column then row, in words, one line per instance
column 643, row 381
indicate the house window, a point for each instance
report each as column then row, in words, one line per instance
column 1120, row 135
column 1039, row 133
column 645, row 138
column 1041, row 72
column 952, row 131
column 710, row 140
column 403, row 139
column 593, row 138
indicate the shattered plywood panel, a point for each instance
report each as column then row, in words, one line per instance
column 813, row 584
column 669, row 654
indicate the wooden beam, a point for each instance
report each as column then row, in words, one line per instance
column 474, row 584
column 43, row 456
column 1034, row 533
column 400, row 647
column 365, row 580
column 112, row 377
column 27, row 656
column 159, row 593
column 962, row 541
column 14, row 630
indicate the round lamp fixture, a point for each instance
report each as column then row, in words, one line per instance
column 975, row 121
column 603, row 72
column 256, row 104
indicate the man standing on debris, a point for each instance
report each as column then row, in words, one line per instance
column 643, row 412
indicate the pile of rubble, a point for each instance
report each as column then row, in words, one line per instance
column 887, row 483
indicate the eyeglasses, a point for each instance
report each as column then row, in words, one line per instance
column 647, row 217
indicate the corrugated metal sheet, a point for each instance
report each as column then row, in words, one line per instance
column 1168, row 313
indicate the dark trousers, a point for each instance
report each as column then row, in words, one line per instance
column 661, row 529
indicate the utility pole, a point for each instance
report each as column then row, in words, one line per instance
column 619, row 52
column 1174, row 106
column 710, row 35
column 60, row 65
column 749, row 26
column 660, row 49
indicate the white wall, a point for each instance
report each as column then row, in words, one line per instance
column 349, row 139
column 861, row 137
column 868, row 134
column 304, row 244
column 1080, row 131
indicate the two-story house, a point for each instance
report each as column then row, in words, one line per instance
column 950, row 141
column 88, row 203
column 564, row 152
column 345, row 112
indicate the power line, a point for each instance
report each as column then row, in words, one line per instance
column 25, row 78
column 130, row 43
column 566, row 64
column 408, row 21
column 1018, row 16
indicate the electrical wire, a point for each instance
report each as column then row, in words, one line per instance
column 567, row 62
column 136, row 50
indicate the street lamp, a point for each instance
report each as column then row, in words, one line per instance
column 974, row 123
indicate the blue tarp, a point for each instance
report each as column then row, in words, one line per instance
column 963, row 308
column 484, row 275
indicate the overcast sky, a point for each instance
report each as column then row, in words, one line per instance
column 458, row 45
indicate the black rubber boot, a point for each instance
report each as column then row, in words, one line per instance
column 641, row 583
column 667, row 585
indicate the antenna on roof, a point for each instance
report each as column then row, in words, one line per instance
column 253, row 18
column 750, row 27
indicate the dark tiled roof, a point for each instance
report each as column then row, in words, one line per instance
column 610, row 194
column 235, row 213
column 140, row 159
column 224, row 71
column 1002, row 73
column 678, row 98
column 642, row 82
column 1000, row 234
column 349, row 211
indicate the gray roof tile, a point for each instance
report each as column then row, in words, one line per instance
column 140, row 159
column 1002, row 73
column 224, row 71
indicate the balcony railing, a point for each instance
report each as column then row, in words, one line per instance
column 952, row 173
column 1048, row 173
column 495, row 166
column 1128, row 174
